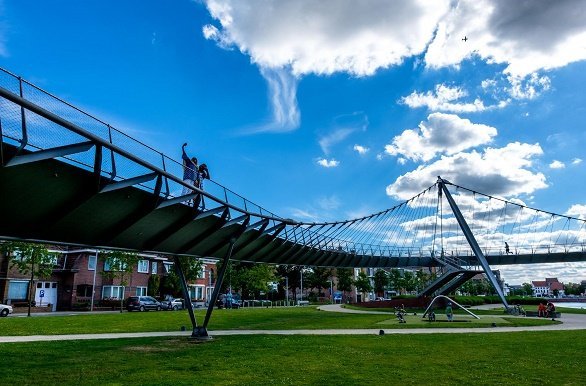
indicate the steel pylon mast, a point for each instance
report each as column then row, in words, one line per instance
column 471, row 239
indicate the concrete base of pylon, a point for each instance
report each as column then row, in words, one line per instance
column 200, row 334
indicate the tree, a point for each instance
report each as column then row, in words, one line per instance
column 421, row 279
column 154, row 284
column 362, row 283
column 30, row 258
column 171, row 283
column 119, row 265
column 381, row 281
column 252, row 279
column 395, row 280
column 345, row 281
column 319, row 277
column 528, row 289
column 409, row 281
column 288, row 275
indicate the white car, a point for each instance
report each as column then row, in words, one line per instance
column 5, row 310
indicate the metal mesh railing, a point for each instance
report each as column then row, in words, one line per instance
column 41, row 133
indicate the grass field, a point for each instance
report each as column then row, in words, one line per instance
column 521, row 358
column 250, row 319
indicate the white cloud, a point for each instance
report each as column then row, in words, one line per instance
column 282, row 89
column 443, row 98
column 557, row 165
column 329, row 203
column 332, row 163
column 359, row 37
column 323, row 37
column 577, row 210
column 525, row 36
column 441, row 133
column 576, row 161
column 497, row 171
column 333, row 138
column 361, row 149
column 529, row 87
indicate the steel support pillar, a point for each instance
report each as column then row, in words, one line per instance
column 472, row 241
column 218, row 286
column 196, row 330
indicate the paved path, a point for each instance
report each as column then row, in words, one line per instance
column 570, row 322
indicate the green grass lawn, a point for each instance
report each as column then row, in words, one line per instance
column 522, row 358
column 250, row 319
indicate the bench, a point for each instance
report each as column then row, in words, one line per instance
column 535, row 314
column 302, row 302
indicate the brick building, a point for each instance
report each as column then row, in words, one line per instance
column 77, row 272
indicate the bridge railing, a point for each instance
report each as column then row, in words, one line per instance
column 33, row 132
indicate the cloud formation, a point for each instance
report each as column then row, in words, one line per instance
column 334, row 137
column 360, row 149
column 324, row 37
column 444, row 98
column 441, row 133
column 290, row 39
column 328, row 163
column 502, row 171
column 557, row 165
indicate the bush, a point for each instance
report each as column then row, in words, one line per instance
column 469, row 300
column 113, row 303
column 81, row 306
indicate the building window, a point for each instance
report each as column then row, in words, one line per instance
column 17, row 290
column 108, row 263
column 154, row 268
column 143, row 266
column 168, row 267
column 202, row 273
column 112, row 292
column 84, row 291
column 196, row 292
column 141, row 291
column 92, row 262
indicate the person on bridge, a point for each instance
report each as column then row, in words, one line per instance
column 190, row 170
column 507, row 249
column 203, row 174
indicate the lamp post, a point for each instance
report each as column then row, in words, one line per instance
column 331, row 291
column 301, row 285
column 286, row 288
column 94, row 283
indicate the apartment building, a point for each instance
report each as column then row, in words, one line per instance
column 77, row 278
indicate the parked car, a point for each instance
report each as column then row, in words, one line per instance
column 172, row 304
column 5, row 310
column 142, row 303
column 230, row 301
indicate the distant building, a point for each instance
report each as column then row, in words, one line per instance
column 547, row 288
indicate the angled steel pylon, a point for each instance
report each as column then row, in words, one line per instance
column 471, row 239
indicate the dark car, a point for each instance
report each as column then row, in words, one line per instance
column 142, row 303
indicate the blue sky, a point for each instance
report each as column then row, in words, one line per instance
column 334, row 109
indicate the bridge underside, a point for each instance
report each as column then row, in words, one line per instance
column 58, row 202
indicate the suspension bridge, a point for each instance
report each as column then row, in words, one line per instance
column 67, row 177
